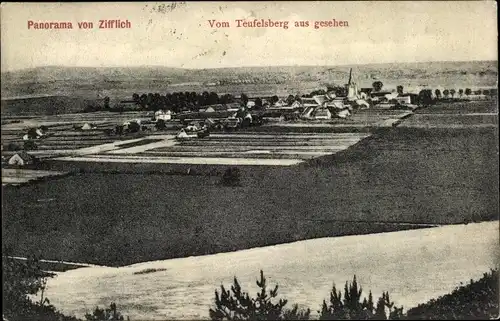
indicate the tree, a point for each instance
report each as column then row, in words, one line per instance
column 213, row 98
column 238, row 305
column 135, row 97
column 22, row 279
column 106, row 102
column 258, row 103
column 32, row 134
column 452, row 92
column 160, row 124
column 438, row 93
column 446, row 93
column 143, row 100
column 399, row 89
column 274, row 99
column 244, row 99
column 290, row 99
column 134, row 127
column 351, row 307
column 425, row 97
column 460, row 92
column 377, row 85
column 468, row 91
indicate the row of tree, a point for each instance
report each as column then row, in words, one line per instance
column 178, row 101
column 478, row 300
column 451, row 92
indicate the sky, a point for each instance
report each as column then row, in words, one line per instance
column 179, row 34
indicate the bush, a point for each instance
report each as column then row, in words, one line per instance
column 231, row 177
column 239, row 306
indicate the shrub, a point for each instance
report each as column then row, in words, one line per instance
column 239, row 306
column 30, row 145
column 12, row 147
column 109, row 314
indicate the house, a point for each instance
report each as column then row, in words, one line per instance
column 320, row 99
column 216, row 108
column 296, row 104
column 233, row 106
column 309, row 102
column 403, row 100
column 407, row 98
column 367, row 91
column 87, row 126
column 281, row 103
column 337, row 104
column 381, row 96
column 250, row 103
column 322, row 113
column 21, row 159
column 160, row 114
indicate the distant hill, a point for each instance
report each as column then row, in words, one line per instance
column 90, row 82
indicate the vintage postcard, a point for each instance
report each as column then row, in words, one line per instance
column 271, row 160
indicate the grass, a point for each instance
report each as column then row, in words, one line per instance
column 437, row 176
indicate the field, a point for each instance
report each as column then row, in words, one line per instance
column 392, row 180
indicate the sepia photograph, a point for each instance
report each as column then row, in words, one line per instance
column 265, row 160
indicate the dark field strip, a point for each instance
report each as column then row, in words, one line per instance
column 138, row 143
column 261, row 143
column 461, row 108
column 276, row 155
column 96, row 140
column 63, row 146
column 223, row 148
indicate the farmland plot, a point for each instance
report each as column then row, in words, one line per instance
column 231, row 149
column 20, row 176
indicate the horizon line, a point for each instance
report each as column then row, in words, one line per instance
column 252, row 66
